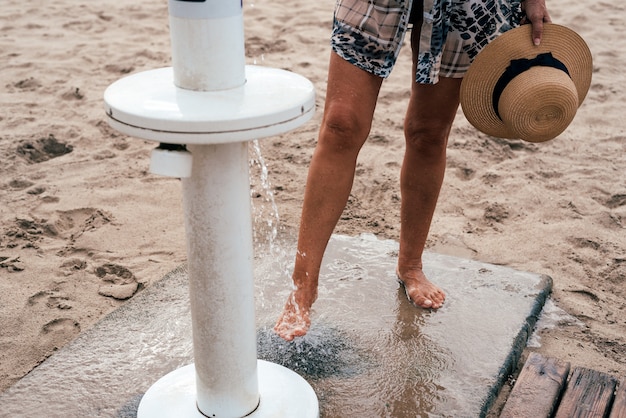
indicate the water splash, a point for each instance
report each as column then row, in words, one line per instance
column 324, row 352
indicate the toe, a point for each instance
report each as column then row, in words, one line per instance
column 419, row 300
column 424, row 302
column 284, row 332
column 439, row 299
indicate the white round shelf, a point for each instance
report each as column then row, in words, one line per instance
column 148, row 105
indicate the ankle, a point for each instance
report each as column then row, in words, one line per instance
column 404, row 268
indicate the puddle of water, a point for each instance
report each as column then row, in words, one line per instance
column 371, row 353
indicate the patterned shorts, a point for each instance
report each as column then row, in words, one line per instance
column 370, row 33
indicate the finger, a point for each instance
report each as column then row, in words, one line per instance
column 537, row 31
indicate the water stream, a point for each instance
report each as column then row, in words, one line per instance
column 266, row 220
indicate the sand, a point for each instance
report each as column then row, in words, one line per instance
column 84, row 226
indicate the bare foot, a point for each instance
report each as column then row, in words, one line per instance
column 295, row 320
column 419, row 290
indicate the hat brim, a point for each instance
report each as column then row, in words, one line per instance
column 489, row 65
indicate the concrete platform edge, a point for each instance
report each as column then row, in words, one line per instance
column 512, row 360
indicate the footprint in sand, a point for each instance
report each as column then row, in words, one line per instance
column 11, row 264
column 58, row 332
column 37, row 190
column 587, row 303
column 52, row 307
column 119, row 282
column 71, row 224
column 61, row 325
column 73, row 265
column 20, row 184
column 43, row 149
column 27, row 84
column 66, row 226
column 50, row 299
column 496, row 212
column 615, row 273
column 119, row 69
column 73, row 93
column 616, row 201
column 25, row 233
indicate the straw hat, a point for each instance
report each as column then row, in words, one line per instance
column 515, row 89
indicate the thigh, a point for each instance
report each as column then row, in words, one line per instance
column 432, row 105
column 351, row 94
column 368, row 33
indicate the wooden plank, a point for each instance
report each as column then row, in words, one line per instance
column 537, row 389
column 619, row 404
column 588, row 394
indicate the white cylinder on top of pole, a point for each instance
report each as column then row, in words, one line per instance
column 208, row 52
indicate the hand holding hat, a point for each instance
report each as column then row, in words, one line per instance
column 516, row 89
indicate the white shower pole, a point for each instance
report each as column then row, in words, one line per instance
column 212, row 103
column 208, row 55
column 219, row 247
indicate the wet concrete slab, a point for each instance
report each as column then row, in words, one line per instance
column 369, row 353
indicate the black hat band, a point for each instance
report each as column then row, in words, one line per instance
column 517, row 67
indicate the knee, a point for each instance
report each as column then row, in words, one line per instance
column 343, row 130
column 428, row 138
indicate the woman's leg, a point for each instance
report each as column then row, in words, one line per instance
column 428, row 122
column 350, row 102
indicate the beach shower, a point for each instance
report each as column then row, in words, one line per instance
column 203, row 111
